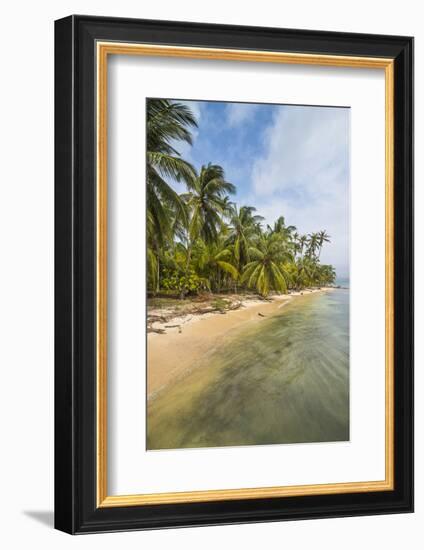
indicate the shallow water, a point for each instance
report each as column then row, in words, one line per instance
column 282, row 380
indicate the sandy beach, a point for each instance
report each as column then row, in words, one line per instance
column 177, row 351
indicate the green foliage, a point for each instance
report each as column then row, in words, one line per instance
column 200, row 240
column 266, row 270
column 184, row 283
column 220, row 303
column 214, row 263
column 167, row 122
column 207, row 202
column 244, row 226
column 165, row 302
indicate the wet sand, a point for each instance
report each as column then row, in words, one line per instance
column 176, row 353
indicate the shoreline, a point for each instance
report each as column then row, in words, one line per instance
column 180, row 341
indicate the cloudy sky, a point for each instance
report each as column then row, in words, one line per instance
column 285, row 160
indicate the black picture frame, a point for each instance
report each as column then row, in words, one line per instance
column 75, row 275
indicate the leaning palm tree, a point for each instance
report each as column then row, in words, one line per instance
column 167, row 123
column 265, row 271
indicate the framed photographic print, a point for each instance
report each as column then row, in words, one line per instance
column 234, row 271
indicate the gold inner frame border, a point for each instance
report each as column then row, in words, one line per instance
column 103, row 50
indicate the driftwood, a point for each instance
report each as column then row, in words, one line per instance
column 195, row 311
column 207, row 310
column 261, row 314
column 156, row 319
column 156, row 330
column 221, row 310
column 263, row 299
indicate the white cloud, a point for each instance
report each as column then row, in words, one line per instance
column 304, row 175
column 237, row 113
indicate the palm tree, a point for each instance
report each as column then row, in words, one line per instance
column 302, row 243
column 243, row 226
column 201, row 239
column 299, row 273
column 265, row 271
column 313, row 244
column 288, row 234
column 227, row 208
column 152, row 270
column 160, row 244
column 206, row 202
column 167, row 123
column 286, row 231
column 213, row 261
column 310, row 271
column 327, row 274
column 323, row 237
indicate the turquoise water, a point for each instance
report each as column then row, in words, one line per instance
column 283, row 380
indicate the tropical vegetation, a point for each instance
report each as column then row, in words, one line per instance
column 200, row 240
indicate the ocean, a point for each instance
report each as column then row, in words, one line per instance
column 284, row 380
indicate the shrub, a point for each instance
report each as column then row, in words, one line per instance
column 184, row 283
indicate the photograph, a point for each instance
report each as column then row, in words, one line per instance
column 233, row 268
column 247, row 271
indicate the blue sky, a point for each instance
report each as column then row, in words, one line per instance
column 284, row 160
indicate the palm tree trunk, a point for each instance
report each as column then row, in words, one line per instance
column 188, row 259
column 158, row 277
column 183, row 292
column 157, row 290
